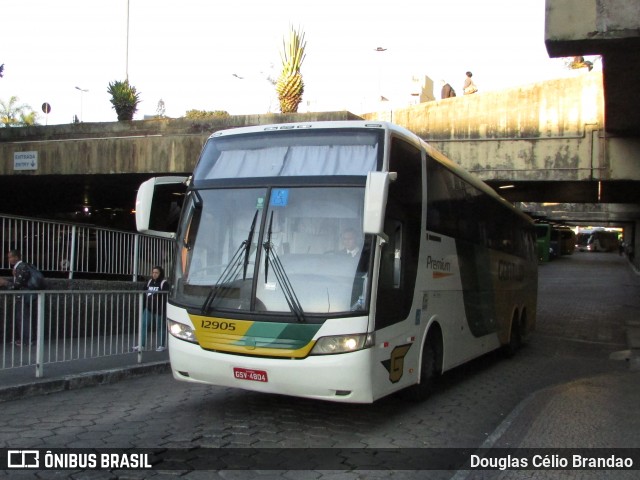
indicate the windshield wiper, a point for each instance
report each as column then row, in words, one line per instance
column 271, row 258
column 248, row 246
column 231, row 270
column 268, row 249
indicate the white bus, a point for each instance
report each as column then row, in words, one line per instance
column 265, row 296
column 597, row 240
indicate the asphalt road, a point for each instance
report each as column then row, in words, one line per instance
column 585, row 303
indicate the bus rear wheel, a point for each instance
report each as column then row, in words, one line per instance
column 428, row 373
column 515, row 340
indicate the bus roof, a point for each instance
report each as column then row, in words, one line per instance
column 389, row 128
column 274, row 127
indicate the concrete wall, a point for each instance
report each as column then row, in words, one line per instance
column 542, row 131
column 148, row 146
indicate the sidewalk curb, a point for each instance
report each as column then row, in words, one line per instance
column 81, row 380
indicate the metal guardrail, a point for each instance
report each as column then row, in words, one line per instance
column 45, row 327
column 76, row 248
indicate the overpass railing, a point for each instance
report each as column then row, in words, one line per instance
column 77, row 248
column 45, row 327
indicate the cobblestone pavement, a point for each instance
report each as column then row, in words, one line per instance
column 561, row 390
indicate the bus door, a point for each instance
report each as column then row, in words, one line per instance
column 395, row 322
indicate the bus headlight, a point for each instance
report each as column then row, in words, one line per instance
column 342, row 343
column 181, row 331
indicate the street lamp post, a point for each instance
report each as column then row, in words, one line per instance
column 254, row 78
column 126, row 67
column 82, row 92
column 381, row 97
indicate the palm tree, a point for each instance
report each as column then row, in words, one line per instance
column 124, row 98
column 290, row 86
column 13, row 114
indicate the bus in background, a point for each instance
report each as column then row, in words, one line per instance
column 543, row 241
column 582, row 238
column 563, row 240
column 597, row 240
column 340, row 261
column 554, row 240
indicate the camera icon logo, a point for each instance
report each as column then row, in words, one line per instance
column 23, row 459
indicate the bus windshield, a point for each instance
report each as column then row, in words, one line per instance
column 298, row 250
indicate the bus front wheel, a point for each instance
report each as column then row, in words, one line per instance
column 428, row 372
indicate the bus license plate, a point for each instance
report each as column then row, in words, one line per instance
column 248, row 374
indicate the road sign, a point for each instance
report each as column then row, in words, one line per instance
column 25, row 160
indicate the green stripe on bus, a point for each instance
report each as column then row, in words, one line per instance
column 279, row 335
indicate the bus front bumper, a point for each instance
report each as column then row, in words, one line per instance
column 341, row 378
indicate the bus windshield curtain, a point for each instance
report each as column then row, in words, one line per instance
column 295, row 161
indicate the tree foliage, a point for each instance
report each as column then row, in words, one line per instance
column 15, row 114
column 205, row 115
column 573, row 63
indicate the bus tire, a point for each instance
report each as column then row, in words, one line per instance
column 428, row 372
column 515, row 339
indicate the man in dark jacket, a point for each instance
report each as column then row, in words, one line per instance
column 21, row 275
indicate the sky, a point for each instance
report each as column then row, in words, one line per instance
column 215, row 55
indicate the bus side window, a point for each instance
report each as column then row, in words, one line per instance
column 391, row 260
column 441, row 212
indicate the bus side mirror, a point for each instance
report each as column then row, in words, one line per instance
column 158, row 205
column 375, row 202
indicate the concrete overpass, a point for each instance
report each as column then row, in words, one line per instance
column 610, row 28
column 539, row 143
column 578, row 146
column 547, row 142
column 573, row 142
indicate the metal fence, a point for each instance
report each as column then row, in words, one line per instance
column 45, row 327
column 76, row 248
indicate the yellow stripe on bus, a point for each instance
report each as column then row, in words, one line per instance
column 227, row 335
